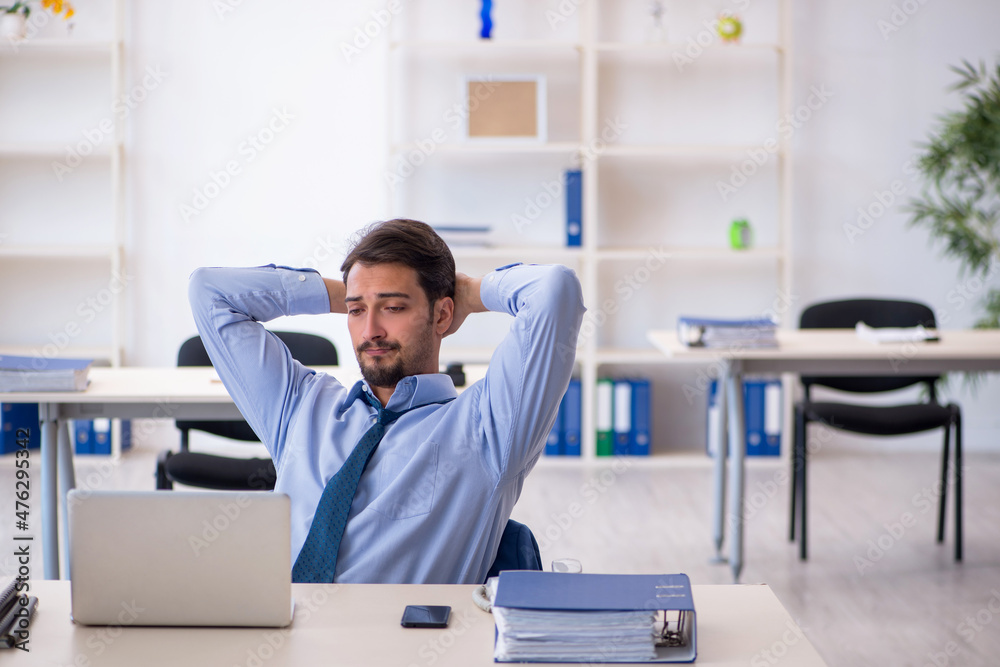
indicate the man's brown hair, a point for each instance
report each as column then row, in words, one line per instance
column 410, row 243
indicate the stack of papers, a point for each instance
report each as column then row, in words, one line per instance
column 894, row 334
column 43, row 374
column 719, row 332
column 593, row 618
column 525, row 635
column 464, row 235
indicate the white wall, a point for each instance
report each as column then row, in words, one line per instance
column 322, row 176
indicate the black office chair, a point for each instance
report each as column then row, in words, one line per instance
column 221, row 472
column 873, row 420
column 518, row 550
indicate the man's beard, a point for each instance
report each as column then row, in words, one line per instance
column 378, row 372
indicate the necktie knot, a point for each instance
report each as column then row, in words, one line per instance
column 385, row 417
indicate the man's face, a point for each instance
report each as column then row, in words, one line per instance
column 393, row 328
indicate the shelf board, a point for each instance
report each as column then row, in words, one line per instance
column 557, row 254
column 682, row 150
column 51, row 45
column 487, row 46
column 681, row 459
column 102, row 352
column 495, row 146
column 93, row 252
column 53, row 150
column 681, row 253
column 607, row 356
column 670, row 47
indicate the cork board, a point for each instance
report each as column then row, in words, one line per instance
column 505, row 108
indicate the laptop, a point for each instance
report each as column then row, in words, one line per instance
column 205, row 558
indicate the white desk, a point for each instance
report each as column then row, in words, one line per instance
column 358, row 624
column 812, row 352
column 122, row 393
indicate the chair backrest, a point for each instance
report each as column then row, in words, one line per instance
column 518, row 550
column 846, row 314
column 309, row 349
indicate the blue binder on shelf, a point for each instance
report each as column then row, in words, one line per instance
column 566, row 595
column 572, row 421
column 554, row 443
column 574, row 207
column 15, row 418
column 639, row 437
column 763, row 416
column 93, row 436
column 762, row 421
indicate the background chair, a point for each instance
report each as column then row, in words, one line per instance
column 221, row 472
column 873, row 420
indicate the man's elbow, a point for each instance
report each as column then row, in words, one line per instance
column 566, row 288
column 200, row 283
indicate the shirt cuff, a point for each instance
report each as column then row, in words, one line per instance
column 490, row 292
column 307, row 293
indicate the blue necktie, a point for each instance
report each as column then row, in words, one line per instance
column 317, row 561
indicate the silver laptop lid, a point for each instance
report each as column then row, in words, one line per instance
column 180, row 558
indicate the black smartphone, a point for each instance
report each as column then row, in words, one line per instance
column 425, row 616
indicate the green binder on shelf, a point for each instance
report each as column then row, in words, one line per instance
column 605, row 416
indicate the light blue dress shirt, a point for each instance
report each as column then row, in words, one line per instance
column 437, row 493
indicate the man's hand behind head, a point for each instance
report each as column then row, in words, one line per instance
column 467, row 300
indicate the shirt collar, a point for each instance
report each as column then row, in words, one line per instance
column 413, row 391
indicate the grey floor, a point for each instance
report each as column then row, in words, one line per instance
column 877, row 589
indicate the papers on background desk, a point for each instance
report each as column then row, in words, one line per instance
column 894, row 334
column 43, row 374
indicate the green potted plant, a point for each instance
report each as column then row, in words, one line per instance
column 14, row 18
column 960, row 202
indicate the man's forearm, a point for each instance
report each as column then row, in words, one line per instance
column 338, row 292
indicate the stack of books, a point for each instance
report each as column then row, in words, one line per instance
column 465, row 235
column 593, row 618
column 720, row 332
column 43, row 374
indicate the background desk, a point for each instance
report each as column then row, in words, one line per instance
column 358, row 624
column 122, row 393
column 813, row 352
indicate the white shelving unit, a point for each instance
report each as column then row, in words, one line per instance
column 62, row 223
column 40, row 233
column 601, row 73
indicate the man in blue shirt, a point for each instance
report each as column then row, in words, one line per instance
column 437, row 491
